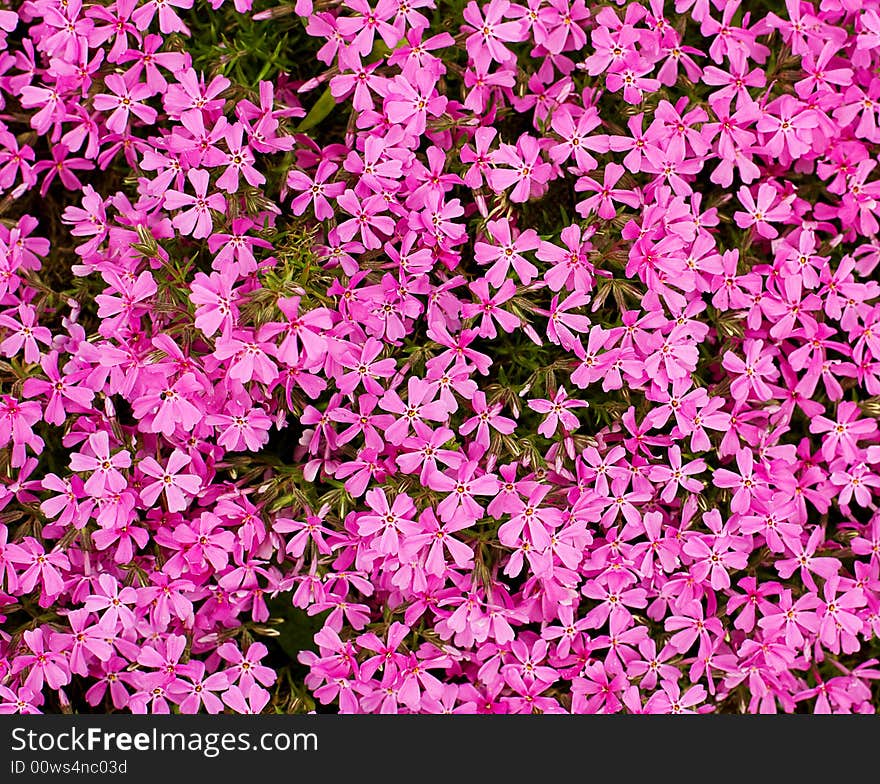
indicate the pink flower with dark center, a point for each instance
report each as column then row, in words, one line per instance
column 844, row 433
column 519, row 166
column 461, row 486
column 367, row 221
column 677, row 474
column 558, row 411
column 750, row 372
column 762, row 211
column 746, row 483
column 488, row 31
column 506, row 251
column 489, row 310
column 104, row 467
column 26, row 333
column 126, row 98
column 316, row 191
column 486, row 416
column 170, row 480
column 196, row 218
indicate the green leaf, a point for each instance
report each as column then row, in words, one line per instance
column 323, row 106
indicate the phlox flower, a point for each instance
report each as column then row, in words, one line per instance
column 169, row 480
column 125, row 98
column 196, row 218
column 762, row 211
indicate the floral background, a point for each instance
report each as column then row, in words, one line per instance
column 439, row 356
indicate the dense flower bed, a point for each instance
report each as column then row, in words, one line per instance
column 439, row 356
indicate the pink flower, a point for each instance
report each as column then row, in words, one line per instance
column 671, row 700
column 26, row 333
column 364, row 369
column 196, row 690
column 507, row 251
column 750, row 372
column 46, row 666
column 571, row 267
column 677, row 475
column 794, row 618
column 114, row 600
column 806, row 561
column 420, row 406
column 104, row 467
column 761, row 212
column 244, row 429
column 461, row 487
column 843, row 434
column 410, row 100
column 532, row 519
column 239, row 161
column 363, row 28
column 169, row 21
column 317, row 191
column 249, row 357
column 606, row 193
column 40, row 568
column 486, row 416
column 558, row 410
column 126, row 98
column 170, row 406
column 169, row 480
column 391, row 519
column 519, row 166
column 215, row 296
column 746, row 482
column 487, row 31
column 839, row 626
column 479, row 157
column 856, row 482
column 246, row 702
column 195, row 220
column 443, row 544
column 488, row 308
column 245, row 667
column 127, row 301
column 367, row 220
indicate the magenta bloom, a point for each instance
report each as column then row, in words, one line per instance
column 602, row 203
column 677, row 474
column 391, row 519
column 507, row 251
column 461, row 488
column 25, row 334
column 519, row 166
column 364, row 369
column 104, row 467
column 195, row 219
column 490, row 30
column 843, row 434
column 745, row 483
column 239, row 161
column 367, row 220
column 316, row 191
column 308, row 339
column 558, row 411
column 419, row 406
column 124, row 99
column 750, row 372
column 171, row 406
column 169, row 480
column 762, row 211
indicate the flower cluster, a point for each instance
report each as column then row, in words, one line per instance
column 487, row 357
